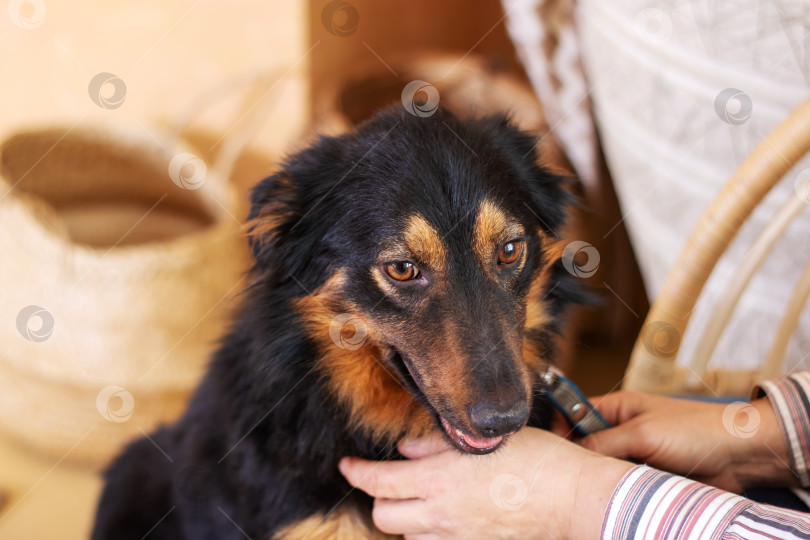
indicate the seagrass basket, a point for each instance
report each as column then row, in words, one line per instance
column 119, row 257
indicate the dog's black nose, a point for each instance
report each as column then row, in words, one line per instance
column 491, row 420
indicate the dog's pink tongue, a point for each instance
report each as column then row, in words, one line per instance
column 481, row 443
column 474, row 442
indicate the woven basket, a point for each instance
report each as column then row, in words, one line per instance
column 119, row 260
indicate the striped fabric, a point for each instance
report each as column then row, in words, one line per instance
column 649, row 503
column 653, row 504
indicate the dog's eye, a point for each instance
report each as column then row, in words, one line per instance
column 402, row 270
column 510, row 252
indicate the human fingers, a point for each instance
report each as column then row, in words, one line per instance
column 620, row 407
column 621, row 442
column 387, row 479
column 560, row 426
column 423, row 447
column 397, row 516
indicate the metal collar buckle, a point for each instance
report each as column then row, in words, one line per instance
column 572, row 403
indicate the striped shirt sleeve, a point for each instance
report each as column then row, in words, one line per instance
column 790, row 398
column 649, row 503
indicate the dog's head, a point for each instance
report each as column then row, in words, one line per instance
column 425, row 257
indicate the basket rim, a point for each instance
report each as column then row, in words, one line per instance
column 217, row 195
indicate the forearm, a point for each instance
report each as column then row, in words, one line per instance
column 595, row 486
column 762, row 459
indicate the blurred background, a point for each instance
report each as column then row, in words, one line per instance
column 131, row 133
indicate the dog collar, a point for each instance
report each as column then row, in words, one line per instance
column 580, row 414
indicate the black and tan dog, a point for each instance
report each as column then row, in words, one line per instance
column 406, row 279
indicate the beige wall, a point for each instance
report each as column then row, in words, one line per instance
column 170, row 54
column 167, row 54
column 389, row 29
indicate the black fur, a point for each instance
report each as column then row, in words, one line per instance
column 259, row 444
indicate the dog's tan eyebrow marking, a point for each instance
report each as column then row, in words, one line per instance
column 492, row 227
column 425, row 243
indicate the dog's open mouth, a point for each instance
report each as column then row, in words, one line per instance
column 468, row 443
column 465, row 442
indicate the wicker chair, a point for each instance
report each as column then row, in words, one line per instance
column 652, row 365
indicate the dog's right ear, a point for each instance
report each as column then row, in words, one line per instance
column 293, row 211
column 272, row 214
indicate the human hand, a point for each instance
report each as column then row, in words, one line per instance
column 732, row 446
column 537, row 485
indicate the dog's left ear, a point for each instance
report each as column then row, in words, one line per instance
column 549, row 200
column 548, row 197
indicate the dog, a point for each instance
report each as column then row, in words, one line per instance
column 407, row 278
